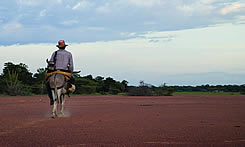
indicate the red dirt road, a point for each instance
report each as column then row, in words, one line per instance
column 181, row 120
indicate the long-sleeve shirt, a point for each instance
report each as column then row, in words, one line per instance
column 64, row 60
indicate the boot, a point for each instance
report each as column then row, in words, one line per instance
column 72, row 88
column 49, row 93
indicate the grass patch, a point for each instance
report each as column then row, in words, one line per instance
column 207, row 93
column 2, row 95
column 91, row 94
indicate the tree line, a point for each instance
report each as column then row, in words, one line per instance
column 211, row 88
column 16, row 79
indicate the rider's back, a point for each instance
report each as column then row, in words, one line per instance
column 63, row 60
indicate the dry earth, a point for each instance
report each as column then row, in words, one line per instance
column 181, row 120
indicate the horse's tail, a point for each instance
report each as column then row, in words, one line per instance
column 56, row 89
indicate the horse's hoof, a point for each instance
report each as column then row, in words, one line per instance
column 54, row 115
column 62, row 115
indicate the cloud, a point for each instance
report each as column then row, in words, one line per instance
column 110, row 18
column 104, row 8
column 82, row 5
column 43, row 12
column 145, row 3
column 29, row 2
column 128, row 34
column 197, row 7
column 232, row 8
column 155, row 37
column 146, row 57
column 150, row 23
column 12, row 27
column 240, row 19
column 96, row 28
column 59, row 1
column 69, row 22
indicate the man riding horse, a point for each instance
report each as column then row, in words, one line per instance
column 62, row 61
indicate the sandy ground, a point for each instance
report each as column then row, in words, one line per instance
column 181, row 120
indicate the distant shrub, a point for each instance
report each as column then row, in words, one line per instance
column 139, row 91
column 164, row 91
column 243, row 92
column 25, row 90
column 114, row 91
column 85, row 89
column 22, row 90
column 39, row 88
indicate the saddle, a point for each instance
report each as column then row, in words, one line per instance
column 66, row 74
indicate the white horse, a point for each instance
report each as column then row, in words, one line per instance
column 58, row 85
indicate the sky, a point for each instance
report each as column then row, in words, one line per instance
column 178, row 42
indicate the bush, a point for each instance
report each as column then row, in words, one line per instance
column 2, row 85
column 114, row 91
column 84, row 89
column 24, row 90
column 139, row 91
column 39, row 89
column 164, row 91
column 242, row 91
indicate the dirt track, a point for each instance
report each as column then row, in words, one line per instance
column 182, row 120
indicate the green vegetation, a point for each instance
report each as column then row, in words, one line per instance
column 207, row 93
column 150, row 90
column 12, row 82
column 16, row 79
column 210, row 89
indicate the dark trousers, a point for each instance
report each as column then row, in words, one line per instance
column 49, row 93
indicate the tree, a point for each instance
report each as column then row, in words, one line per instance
column 143, row 90
column 124, row 85
column 12, row 83
column 39, row 78
column 76, row 75
column 164, row 90
column 85, row 85
column 100, row 86
column 99, row 79
column 17, row 78
column 109, row 84
column 242, row 90
column 40, row 75
column 2, row 85
column 24, row 75
column 90, row 77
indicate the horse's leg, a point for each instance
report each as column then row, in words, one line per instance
column 54, row 112
column 59, row 97
column 62, row 104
